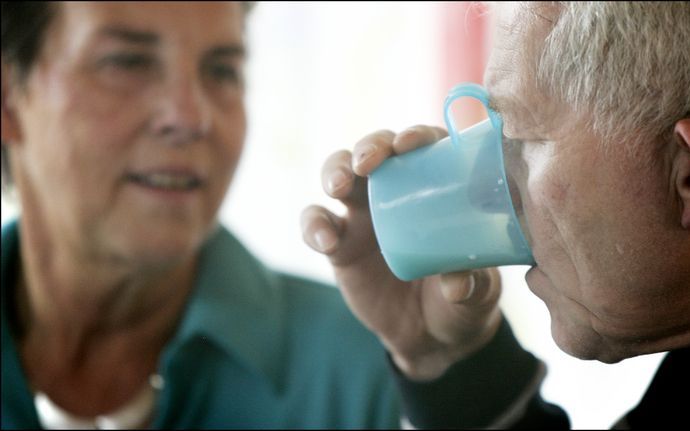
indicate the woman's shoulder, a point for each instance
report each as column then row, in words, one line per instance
column 302, row 305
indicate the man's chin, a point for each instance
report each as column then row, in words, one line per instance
column 583, row 343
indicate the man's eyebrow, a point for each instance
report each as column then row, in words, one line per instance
column 496, row 104
column 129, row 35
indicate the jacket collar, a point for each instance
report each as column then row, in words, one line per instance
column 237, row 303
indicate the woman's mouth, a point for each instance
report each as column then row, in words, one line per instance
column 173, row 181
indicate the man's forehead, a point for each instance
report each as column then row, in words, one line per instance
column 511, row 75
column 519, row 34
column 518, row 13
column 523, row 22
column 506, row 12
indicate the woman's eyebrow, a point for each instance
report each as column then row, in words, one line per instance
column 130, row 35
column 230, row 50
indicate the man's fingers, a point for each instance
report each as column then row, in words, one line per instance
column 320, row 229
column 417, row 136
column 457, row 287
column 341, row 183
column 371, row 151
column 478, row 287
column 337, row 177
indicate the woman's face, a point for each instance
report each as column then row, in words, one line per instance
column 131, row 126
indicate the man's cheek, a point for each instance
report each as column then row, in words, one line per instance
column 544, row 216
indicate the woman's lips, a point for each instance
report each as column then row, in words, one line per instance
column 166, row 180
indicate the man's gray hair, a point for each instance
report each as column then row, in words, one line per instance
column 627, row 64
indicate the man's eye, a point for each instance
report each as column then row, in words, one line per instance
column 511, row 141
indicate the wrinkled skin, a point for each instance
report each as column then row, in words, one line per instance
column 123, row 140
column 605, row 224
column 609, row 228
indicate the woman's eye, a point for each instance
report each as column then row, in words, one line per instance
column 127, row 70
column 129, row 61
column 224, row 72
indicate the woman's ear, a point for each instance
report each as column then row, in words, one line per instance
column 11, row 132
column 682, row 169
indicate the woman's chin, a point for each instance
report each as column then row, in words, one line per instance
column 160, row 248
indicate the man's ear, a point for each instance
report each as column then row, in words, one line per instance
column 11, row 130
column 682, row 169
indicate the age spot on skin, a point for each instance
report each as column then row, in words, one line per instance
column 560, row 192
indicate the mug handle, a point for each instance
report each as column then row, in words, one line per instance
column 469, row 89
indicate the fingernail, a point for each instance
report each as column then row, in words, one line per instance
column 457, row 291
column 337, row 180
column 471, row 282
column 364, row 154
column 325, row 239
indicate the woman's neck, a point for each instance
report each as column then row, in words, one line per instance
column 79, row 291
column 85, row 326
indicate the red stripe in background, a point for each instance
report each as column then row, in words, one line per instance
column 465, row 41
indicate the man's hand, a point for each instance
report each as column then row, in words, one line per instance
column 426, row 324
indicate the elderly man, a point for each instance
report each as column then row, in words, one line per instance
column 595, row 99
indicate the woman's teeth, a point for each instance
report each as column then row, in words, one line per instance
column 167, row 181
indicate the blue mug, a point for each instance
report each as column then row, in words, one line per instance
column 447, row 207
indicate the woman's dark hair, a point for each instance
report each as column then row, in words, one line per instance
column 24, row 25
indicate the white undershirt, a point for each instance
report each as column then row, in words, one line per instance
column 136, row 413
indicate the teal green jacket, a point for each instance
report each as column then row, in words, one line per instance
column 255, row 349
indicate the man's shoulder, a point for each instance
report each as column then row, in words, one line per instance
column 665, row 401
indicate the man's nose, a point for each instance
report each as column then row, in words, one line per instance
column 183, row 112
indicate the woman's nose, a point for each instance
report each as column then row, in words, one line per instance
column 183, row 114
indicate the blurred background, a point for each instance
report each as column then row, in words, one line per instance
column 321, row 75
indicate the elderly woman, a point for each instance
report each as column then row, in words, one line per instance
column 124, row 303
